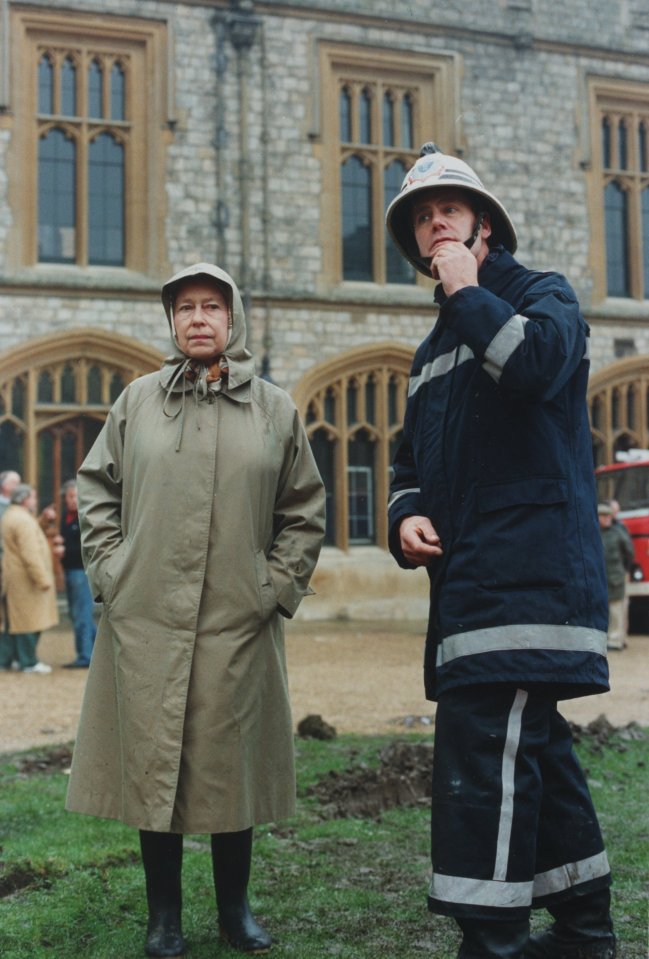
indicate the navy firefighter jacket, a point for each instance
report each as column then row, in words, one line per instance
column 497, row 452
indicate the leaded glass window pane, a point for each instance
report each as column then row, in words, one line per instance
column 642, row 147
column 93, row 385
column 106, row 201
column 68, row 385
column 117, row 93
column 69, row 454
column 365, row 117
column 352, row 409
column 324, row 453
column 406, row 122
column 388, row 120
column 606, row 143
column 330, row 406
column 45, row 86
column 630, row 407
column 397, row 268
column 68, row 88
column 45, row 467
column 357, row 220
column 617, row 260
column 622, row 151
column 116, row 387
column 56, row 198
column 95, row 90
column 370, row 400
column 45, row 390
column 393, row 400
column 345, row 116
column 18, row 399
column 12, row 446
column 360, row 473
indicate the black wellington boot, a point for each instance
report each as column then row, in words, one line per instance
column 582, row 930
column 491, row 938
column 231, row 858
column 162, row 857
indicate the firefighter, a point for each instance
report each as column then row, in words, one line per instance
column 493, row 492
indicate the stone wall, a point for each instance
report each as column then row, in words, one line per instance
column 522, row 123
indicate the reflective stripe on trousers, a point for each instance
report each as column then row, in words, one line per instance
column 513, row 823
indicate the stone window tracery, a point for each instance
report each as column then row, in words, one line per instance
column 52, row 408
column 353, row 411
column 90, row 101
column 378, row 108
column 620, row 189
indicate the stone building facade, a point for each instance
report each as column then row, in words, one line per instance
column 137, row 136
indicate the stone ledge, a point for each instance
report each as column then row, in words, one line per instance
column 364, row 584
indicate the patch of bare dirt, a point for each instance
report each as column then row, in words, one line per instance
column 403, row 778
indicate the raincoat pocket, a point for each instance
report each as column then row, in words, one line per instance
column 265, row 586
column 112, row 572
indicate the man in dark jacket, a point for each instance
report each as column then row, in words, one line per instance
column 80, row 601
column 494, row 493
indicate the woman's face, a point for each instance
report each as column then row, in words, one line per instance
column 201, row 320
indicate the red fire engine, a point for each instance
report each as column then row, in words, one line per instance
column 627, row 481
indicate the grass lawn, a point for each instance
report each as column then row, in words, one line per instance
column 72, row 886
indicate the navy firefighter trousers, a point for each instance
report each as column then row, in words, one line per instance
column 513, row 824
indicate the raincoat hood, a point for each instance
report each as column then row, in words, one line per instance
column 237, row 358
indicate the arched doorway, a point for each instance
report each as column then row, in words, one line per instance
column 618, row 402
column 353, row 408
column 55, row 393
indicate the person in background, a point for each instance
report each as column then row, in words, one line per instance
column 494, row 493
column 202, row 517
column 618, row 556
column 28, row 580
column 9, row 479
column 80, row 602
column 615, row 506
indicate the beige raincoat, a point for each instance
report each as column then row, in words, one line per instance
column 202, row 516
column 27, row 573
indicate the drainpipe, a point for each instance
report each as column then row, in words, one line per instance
column 267, row 340
column 222, row 213
column 243, row 27
column 4, row 56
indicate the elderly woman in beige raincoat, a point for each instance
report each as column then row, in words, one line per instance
column 202, row 516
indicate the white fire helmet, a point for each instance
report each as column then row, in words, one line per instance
column 436, row 169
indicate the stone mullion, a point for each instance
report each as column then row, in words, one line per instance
column 341, row 467
column 29, row 419
column 382, row 466
column 82, row 194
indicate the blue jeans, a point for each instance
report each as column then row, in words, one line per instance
column 80, row 607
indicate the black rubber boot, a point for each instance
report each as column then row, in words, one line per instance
column 162, row 857
column 582, row 930
column 491, row 938
column 231, row 859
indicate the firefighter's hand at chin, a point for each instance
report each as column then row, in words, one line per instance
column 419, row 541
column 455, row 266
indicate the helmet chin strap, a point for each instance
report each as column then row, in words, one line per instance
column 476, row 231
